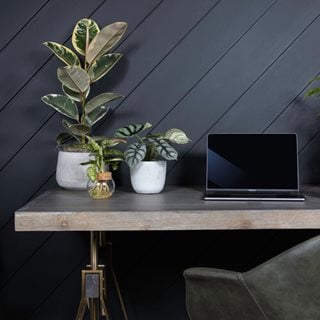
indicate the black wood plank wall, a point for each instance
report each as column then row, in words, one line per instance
column 202, row 66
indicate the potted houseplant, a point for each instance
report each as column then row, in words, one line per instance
column 147, row 157
column 76, row 79
column 103, row 155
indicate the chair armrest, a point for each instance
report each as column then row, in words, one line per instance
column 218, row 294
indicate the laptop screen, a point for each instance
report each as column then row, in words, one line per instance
column 252, row 162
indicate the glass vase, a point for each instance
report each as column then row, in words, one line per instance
column 103, row 187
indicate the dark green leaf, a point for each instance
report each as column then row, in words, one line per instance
column 64, row 137
column 74, row 95
column 164, row 149
column 76, row 129
column 312, row 92
column 75, row 78
column 135, row 154
column 103, row 65
column 79, row 35
column 63, row 53
column 131, row 130
column 62, row 104
column 101, row 99
column 96, row 115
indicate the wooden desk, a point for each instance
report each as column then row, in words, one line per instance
column 177, row 208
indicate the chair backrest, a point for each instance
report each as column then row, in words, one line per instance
column 288, row 286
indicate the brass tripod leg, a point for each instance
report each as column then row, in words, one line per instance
column 93, row 285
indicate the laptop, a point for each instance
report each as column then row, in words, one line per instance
column 248, row 167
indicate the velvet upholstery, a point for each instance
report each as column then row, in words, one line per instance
column 286, row 287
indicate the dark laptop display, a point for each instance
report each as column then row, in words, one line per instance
column 252, row 166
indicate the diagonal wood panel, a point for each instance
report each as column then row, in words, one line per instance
column 212, row 65
column 21, row 18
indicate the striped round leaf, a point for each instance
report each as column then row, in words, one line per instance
column 135, row 154
column 63, row 53
column 176, row 136
column 76, row 129
column 79, row 35
column 96, row 115
column 76, row 96
column 105, row 40
column 75, row 78
column 164, row 149
column 103, row 65
column 131, row 130
column 62, row 104
column 100, row 100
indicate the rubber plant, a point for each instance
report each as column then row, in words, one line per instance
column 152, row 146
column 95, row 61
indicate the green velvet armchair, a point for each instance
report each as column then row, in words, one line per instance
column 286, row 287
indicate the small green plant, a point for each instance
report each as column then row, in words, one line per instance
column 313, row 91
column 103, row 153
column 78, row 75
column 151, row 147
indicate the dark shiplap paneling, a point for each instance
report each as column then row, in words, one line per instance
column 209, row 65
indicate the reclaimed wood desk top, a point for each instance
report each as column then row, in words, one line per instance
column 176, row 208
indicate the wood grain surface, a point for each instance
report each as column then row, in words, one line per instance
column 177, row 208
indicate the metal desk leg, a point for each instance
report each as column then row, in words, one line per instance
column 92, row 295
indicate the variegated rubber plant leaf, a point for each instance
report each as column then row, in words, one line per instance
column 63, row 53
column 96, row 115
column 131, row 130
column 64, row 137
column 62, row 104
column 103, row 65
column 164, row 149
column 76, row 96
column 100, row 100
column 105, row 40
column 176, row 136
column 74, row 78
column 135, row 154
column 76, row 129
column 83, row 29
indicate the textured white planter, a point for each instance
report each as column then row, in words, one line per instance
column 70, row 173
column 148, row 176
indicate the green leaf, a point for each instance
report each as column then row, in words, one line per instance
column 164, row 149
column 96, row 115
column 111, row 142
column 105, row 40
column 63, row 137
column 135, row 154
column 113, row 152
column 100, row 100
column 62, row 104
column 63, row 53
column 176, row 136
column 92, row 173
column 79, row 35
column 76, row 129
column 131, row 130
column 74, row 95
column 103, row 65
column 75, row 78
column 312, row 92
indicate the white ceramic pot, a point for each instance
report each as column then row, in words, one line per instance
column 70, row 174
column 148, row 176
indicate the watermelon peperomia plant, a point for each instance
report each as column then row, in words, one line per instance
column 77, row 76
column 151, row 147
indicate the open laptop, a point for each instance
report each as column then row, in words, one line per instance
column 252, row 167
